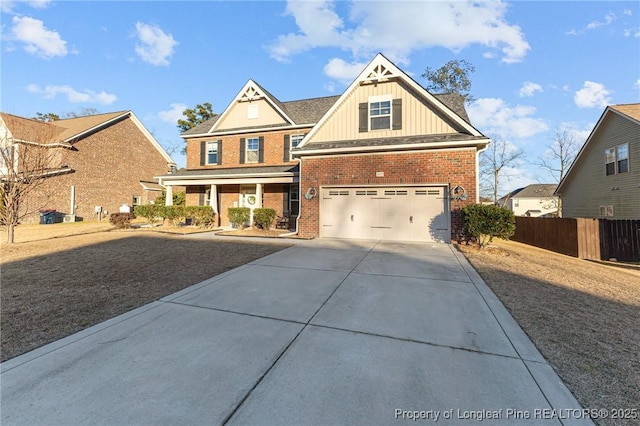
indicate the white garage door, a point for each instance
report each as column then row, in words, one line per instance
column 383, row 213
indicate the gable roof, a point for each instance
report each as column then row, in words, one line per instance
column 68, row 131
column 381, row 69
column 536, row 190
column 629, row 112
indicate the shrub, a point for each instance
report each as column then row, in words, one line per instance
column 121, row 220
column 264, row 217
column 201, row 215
column 148, row 211
column 484, row 222
column 174, row 214
column 238, row 216
column 179, row 199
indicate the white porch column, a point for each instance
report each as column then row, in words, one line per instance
column 258, row 195
column 168, row 200
column 213, row 198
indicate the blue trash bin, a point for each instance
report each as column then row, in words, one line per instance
column 47, row 217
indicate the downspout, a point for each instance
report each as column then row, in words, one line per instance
column 299, row 160
column 478, row 170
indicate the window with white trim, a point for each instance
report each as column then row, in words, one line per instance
column 252, row 148
column 212, row 152
column 294, row 199
column 616, row 159
column 380, row 114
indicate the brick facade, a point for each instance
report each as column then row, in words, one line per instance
column 108, row 167
column 274, row 148
column 453, row 167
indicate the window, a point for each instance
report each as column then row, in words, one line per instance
column 516, row 203
column 380, row 115
column 617, row 159
column 136, row 200
column 294, row 199
column 606, row 211
column 295, row 140
column 252, row 111
column 212, row 152
column 622, row 156
column 253, row 146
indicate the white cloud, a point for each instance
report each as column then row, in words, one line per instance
column 340, row 70
column 528, row 89
column 154, row 45
column 608, row 19
column 74, row 96
column 6, row 6
column 636, row 85
column 174, row 114
column 37, row 39
column 592, row 95
column 398, row 28
column 494, row 116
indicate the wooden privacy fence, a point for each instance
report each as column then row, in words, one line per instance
column 596, row 239
column 573, row 237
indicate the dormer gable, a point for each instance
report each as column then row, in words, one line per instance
column 252, row 107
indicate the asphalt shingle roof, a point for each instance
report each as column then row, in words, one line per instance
column 259, row 170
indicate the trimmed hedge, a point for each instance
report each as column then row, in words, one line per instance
column 148, row 211
column 201, row 215
column 482, row 223
column 264, row 217
column 121, row 220
column 238, row 216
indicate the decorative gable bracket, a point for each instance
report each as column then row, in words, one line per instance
column 250, row 94
column 379, row 73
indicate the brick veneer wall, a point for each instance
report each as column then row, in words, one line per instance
column 273, row 149
column 109, row 165
column 432, row 167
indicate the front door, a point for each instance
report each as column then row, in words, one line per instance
column 248, row 198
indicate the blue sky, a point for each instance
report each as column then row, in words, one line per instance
column 541, row 66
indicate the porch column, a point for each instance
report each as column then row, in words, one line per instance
column 168, row 200
column 213, row 198
column 259, row 195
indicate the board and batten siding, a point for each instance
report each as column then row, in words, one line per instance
column 417, row 116
column 589, row 187
column 237, row 116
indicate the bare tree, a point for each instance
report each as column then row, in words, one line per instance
column 499, row 155
column 27, row 153
column 560, row 155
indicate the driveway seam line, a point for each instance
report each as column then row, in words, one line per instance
column 228, row 311
column 284, row 351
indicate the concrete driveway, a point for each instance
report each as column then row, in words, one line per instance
column 325, row 332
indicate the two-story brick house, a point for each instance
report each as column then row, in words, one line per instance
column 95, row 163
column 385, row 160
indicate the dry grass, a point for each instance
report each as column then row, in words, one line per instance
column 583, row 316
column 54, row 287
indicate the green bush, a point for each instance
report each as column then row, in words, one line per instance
column 174, row 214
column 264, row 217
column 238, row 216
column 148, row 211
column 121, row 220
column 201, row 215
column 179, row 199
column 482, row 223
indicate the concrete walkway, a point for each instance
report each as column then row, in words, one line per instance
column 326, row 332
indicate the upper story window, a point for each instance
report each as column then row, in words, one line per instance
column 252, row 150
column 212, row 153
column 252, row 111
column 616, row 159
column 380, row 115
column 295, row 140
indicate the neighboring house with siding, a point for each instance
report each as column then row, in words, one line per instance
column 97, row 163
column 385, row 160
column 604, row 179
column 532, row 201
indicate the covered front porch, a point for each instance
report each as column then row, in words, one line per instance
column 251, row 187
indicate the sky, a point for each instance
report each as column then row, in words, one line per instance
column 540, row 66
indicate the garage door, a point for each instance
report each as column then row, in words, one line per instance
column 383, row 213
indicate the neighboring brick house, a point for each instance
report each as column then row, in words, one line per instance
column 97, row 163
column 385, row 160
column 604, row 180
